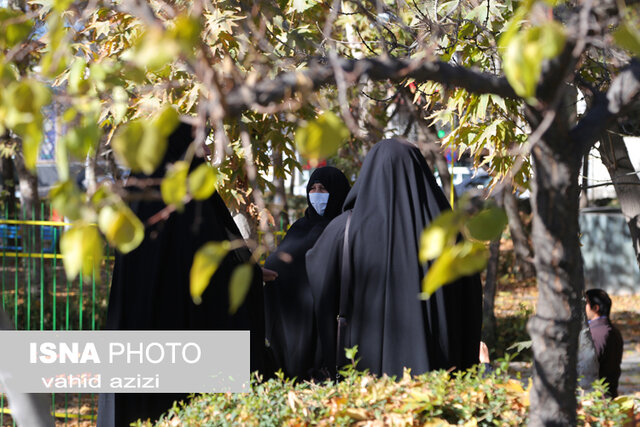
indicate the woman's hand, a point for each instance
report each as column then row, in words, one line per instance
column 268, row 275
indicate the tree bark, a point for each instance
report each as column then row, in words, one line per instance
column 615, row 157
column 524, row 254
column 555, row 327
column 489, row 296
column 8, row 188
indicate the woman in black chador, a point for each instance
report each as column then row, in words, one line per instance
column 288, row 303
column 150, row 286
column 394, row 198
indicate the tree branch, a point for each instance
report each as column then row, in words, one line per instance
column 266, row 92
column 623, row 92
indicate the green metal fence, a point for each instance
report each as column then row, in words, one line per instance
column 36, row 295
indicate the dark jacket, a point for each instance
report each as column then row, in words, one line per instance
column 608, row 343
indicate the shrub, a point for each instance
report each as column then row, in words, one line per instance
column 471, row 398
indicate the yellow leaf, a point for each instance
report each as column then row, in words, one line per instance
column 67, row 199
column 205, row 263
column 121, row 227
column 321, row 138
column 81, row 247
column 439, row 234
column 203, row 181
column 239, row 286
column 141, row 145
column 460, row 260
column 174, row 185
column 359, row 414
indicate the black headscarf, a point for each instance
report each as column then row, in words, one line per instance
column 150, row 285
column 394, row 198
column 288, row 304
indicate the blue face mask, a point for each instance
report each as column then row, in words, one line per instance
column 319, row 201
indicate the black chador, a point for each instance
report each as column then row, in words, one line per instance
column 394, row 198
column 288, row 303
column 150, row 286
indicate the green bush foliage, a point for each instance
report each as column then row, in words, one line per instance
column 472, row 398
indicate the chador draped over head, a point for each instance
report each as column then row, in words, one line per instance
column 290, row 327
column 394, row 198
column 150, row 285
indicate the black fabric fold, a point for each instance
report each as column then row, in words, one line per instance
column 290, row 327
column 394, row 198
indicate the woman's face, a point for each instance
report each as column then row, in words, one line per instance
column 317, row 188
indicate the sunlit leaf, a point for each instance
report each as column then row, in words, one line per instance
column 205, row 263
column 77, row 80
column 628, row 37
column 166, row 121
column 186, row 31
column 239, row 286
column 174, row 185
column 525, row 52
column 300, row 6
column 81, row 247
column 487, row 224
column 203, row 182
column 438, row 235
column 457, row 261
column 81, row 139
column 121, row 227
column 321, row 138
column 14, row 27
column 67, row 199
column 141, row 145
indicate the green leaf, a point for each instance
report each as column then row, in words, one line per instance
column 487, row 224
column 174, row 184
column 461, row 260
column 16, row 31
column 166, row 121
column 147, row 54
column 81, row 247
column 300, row 6
column 321, row 138
column 239, row 286
column 81, row 139
column 186, row 31
column 67, row 199
column 121, row 227
column 350, row 353
column 525, row 53
column 141, row 145
column 205, row 263
column 521, row 345
column 438, row 235
column 31, row 138
column 77, row 81
column 203, row 182
column 628, row 37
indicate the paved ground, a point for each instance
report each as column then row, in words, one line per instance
column 630, row 378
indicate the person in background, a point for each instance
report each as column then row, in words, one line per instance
column 289, row 327
column 374, row 287
column 150, row 285
column 606, row 338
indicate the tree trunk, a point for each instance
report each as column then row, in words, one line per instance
column 30, row 209
column 489, row 296
column 8, row 188
column 615, row 157
column 555, row 327
column 524, row 255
